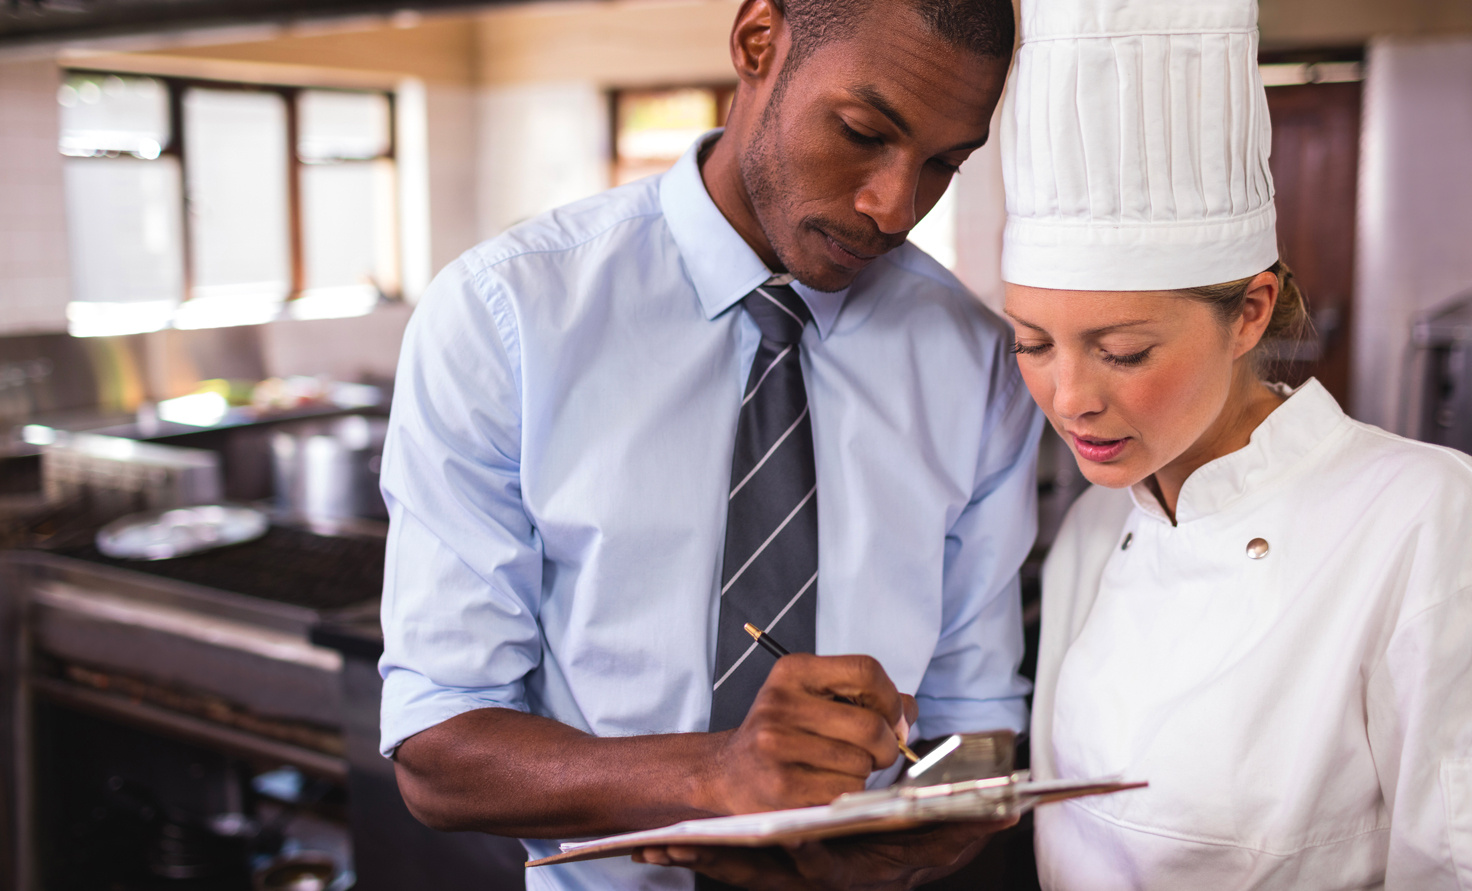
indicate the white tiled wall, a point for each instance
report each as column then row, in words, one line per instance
column 342, row 349
column 33, row 250
column 540, row 145
column 451, row 117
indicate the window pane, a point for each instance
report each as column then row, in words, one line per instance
column 105, row 113
column 656, row 126
column 236, row 161
column 348, row 230
column 337, row 124
column 661, row 124
column 124, row 230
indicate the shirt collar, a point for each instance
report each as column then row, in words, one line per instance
column 1296, row 428
column 720, row 263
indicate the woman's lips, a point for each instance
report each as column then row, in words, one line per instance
column 1098, row 450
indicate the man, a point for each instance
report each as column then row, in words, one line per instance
column 729, row 394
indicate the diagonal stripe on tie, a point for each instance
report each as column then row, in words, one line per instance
column 770, row 452
column 759, row 381
column 766, row 629
column 770, row 538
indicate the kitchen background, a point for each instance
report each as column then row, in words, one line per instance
column 215, row 220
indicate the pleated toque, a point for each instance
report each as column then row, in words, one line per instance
column 1135, row 143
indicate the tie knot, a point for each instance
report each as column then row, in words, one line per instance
column 779, row 312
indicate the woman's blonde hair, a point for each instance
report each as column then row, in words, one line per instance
column 1290, row 316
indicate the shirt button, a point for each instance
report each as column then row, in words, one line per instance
column 1128, row 537
column 1257, row 548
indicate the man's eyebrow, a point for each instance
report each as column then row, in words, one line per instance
column 873, row 97
column 972, row 145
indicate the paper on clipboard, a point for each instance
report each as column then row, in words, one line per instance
column 951, row 791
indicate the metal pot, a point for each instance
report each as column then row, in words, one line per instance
column 329, row 468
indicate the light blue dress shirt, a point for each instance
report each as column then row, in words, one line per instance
column 559, row 460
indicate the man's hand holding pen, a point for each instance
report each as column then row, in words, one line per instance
column 800, row 746
column 819, row 726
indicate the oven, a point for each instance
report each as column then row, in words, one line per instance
column 209, row 722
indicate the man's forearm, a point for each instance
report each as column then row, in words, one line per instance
column 508, row 773
column 805, row 741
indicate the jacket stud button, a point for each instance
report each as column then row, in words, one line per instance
column 1128, row 537
column 1257, row 548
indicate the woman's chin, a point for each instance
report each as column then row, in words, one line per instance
column 1112, row 475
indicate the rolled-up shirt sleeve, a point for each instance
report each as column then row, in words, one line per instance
column 972, row 682
column 462, row 579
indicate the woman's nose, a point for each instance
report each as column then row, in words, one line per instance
column 888, row 198
column 1076, row 393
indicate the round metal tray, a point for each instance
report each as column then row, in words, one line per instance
column 160, row 535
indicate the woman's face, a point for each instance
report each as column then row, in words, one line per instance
column 1133, row 381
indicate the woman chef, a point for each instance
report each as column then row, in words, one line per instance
column 1264, row 608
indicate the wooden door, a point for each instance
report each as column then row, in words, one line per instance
column 1316, row 133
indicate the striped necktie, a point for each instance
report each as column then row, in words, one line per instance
column 770, row 573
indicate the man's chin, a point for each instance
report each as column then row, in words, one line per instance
column 829, row 283
column 823, row 276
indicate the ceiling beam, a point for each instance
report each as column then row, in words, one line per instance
column 38, row 21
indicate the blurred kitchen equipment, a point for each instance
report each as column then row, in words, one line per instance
column 329, row 468
column 178, row 845
column 122, row 475
column 163, row 535
column 302, row 871
column 1443, row 405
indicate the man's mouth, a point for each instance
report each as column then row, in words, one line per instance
column 846, row 254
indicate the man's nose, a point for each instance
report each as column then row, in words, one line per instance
column 1077, row 392
column 888, row 198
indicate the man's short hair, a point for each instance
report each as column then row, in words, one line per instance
column 984, row 27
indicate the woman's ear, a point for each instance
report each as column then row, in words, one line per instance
column 1257, row 312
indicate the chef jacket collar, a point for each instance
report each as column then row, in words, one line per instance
column 720, row 263
column 1296, row 428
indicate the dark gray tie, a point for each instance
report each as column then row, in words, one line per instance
column 770, row 573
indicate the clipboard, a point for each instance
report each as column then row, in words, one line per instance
column 969, row 777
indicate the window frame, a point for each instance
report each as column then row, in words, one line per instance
column 176, row 86
column 724, row 93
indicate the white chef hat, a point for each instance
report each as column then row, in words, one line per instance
column 1135, row 142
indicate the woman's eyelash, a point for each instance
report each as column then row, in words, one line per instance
column 1132, row 359
column 1139, row 358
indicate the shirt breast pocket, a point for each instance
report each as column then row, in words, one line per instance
column 1456, row 793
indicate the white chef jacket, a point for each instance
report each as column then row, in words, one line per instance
column 1304, row 719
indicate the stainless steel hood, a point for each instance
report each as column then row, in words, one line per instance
column 35, row 21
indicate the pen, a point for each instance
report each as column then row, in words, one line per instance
column 770, row 644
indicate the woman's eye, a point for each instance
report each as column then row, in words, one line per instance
column 1023, row 349
column 1131, row 359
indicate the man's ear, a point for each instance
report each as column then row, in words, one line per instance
column 755, row 37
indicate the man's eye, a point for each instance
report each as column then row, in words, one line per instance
column 858, row 138
column 946, row 166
